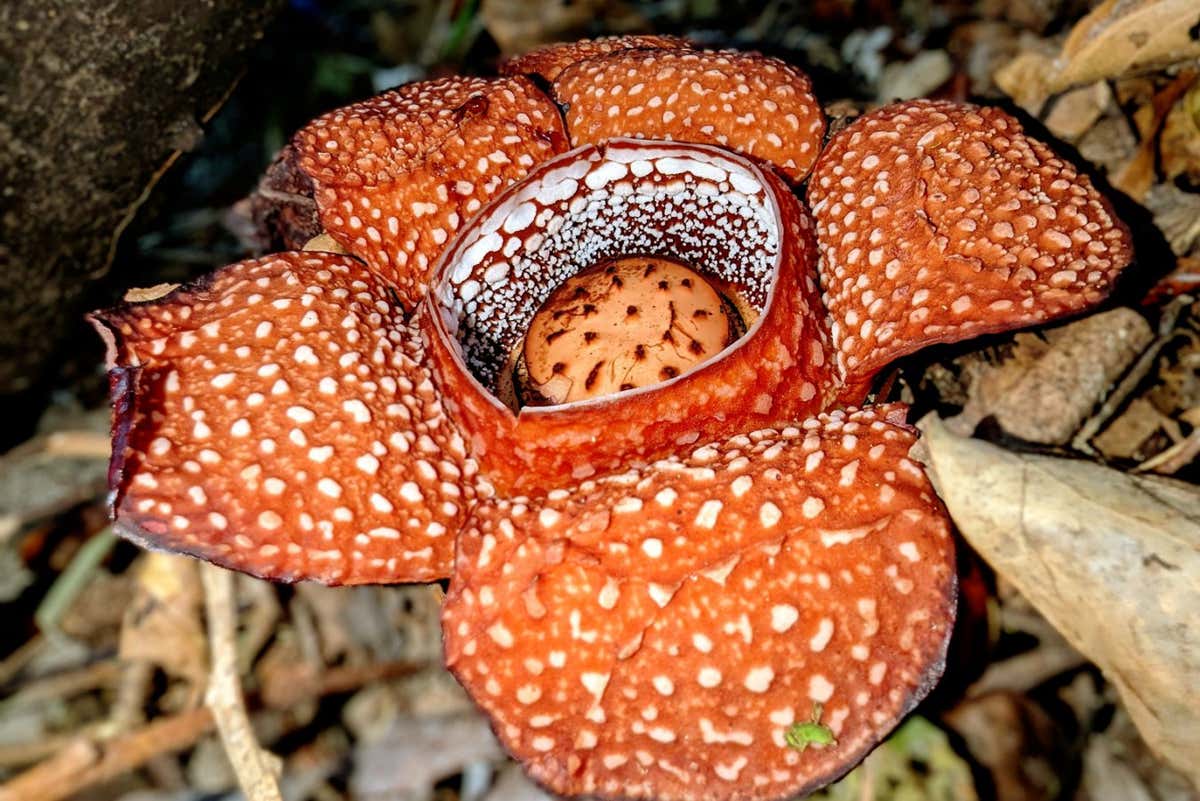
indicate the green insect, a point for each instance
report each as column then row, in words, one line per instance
column 810, row 732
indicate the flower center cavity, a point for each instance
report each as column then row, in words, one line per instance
column 627, row 322
column 554, row 293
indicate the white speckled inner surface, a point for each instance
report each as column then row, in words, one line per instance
column 625, row 199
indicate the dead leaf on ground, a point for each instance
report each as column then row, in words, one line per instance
column 1048, row 386
column 418, row 753
column 1123, row 36
column 1181, row 138
column 1138, row 175
column 1017, row 742
column 520, row 25
column 1112, row 560
column 162, row 623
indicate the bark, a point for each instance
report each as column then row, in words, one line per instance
column 96, row 102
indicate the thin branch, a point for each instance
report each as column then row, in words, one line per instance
column 83, row 763
column 251, row 764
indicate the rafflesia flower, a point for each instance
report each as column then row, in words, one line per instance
column 587, row 354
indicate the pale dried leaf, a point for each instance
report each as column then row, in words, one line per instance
column 1123, row 36
column 144, row 294
column 1048, row 386
column 162, row 624
column 520, row 25
column 1112, row 560
column 1075, row 112
column 418, row 753
column 1026, row 79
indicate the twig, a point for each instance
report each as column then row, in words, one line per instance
column 73, row 579
column 65, row 684
column 83, row 763
column 18, row 660
column 1133, row 378
column 224, row 695
column 1174, row 458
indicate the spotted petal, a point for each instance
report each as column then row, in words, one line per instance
column 758, row 106
column 396, row 175
column 940, row 221
column 276, row 418
column 656, row 633
column 548, row 62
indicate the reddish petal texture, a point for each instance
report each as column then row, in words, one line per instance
column 549, row 62
column 706, row 207
column 654, row 634
column 755, row 105
column 395, row 176
column 940, row 221
column 276, row 418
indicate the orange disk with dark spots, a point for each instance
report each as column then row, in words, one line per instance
column 551, row 60
column 654, row 634
column 940, row 221
column 717, row 212
column 759, row 106
column 276, row 418
column 397, row 175
column 627, row 323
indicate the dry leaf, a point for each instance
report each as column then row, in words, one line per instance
column 1046, row 389
column 1026, row 79
column 1140, row 173
column 1112, row 560
column 1180, row 141
column 418, row 753
column 1075, row 112
column 1123, row 36
column 1022, row 747
column 162, row 624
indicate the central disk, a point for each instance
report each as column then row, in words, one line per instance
column 625, row 323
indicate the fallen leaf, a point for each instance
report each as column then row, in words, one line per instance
column 162, row 623
column 1075, row 112
column 1022, row 747
column 418, row 753
column 1045, row 389
column 1026, row 79
column 1126, row 436
column 1123, row 36
column 1112, row 560
column 520, row 25
column 1180, row 143
column 1139, row 174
